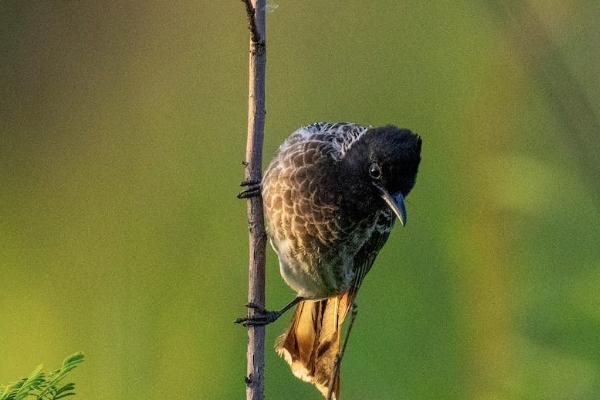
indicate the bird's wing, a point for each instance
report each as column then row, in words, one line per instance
column 363, row 261
column 340, row 135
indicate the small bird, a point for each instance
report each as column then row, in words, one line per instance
column 331, row 196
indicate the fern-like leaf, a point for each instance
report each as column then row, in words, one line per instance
column 54, row 378
column 23, row 388
column 43, row 386
column 66, row 390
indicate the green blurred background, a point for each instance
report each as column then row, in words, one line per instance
column 122, row 131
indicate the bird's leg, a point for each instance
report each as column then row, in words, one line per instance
column 338, row 358
column 253, row 189
column 264, row 317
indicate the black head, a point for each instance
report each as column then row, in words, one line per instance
column 385, row 161
column 393, row 157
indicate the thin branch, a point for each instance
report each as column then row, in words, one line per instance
column 255, row 11
column 250, row 13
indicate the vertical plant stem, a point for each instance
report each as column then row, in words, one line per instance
column 255, row 10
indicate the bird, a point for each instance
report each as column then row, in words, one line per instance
column 331, row 196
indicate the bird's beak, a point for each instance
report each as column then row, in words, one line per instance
column 395, row 203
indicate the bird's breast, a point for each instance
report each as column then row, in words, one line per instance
column 313, row 236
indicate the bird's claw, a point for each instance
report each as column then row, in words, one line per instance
column 250, row 182
column 253, row 189
column 262, row 317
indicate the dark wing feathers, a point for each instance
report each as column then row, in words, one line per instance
column 363, row 261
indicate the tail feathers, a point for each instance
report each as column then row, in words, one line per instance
column 312, row 342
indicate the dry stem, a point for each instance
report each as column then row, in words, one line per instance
column 255, row 10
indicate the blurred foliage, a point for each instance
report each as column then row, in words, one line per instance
column 122, row 129
column 43, row 386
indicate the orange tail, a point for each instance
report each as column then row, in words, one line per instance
column 312, row 342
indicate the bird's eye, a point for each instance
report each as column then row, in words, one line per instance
column 375, row 171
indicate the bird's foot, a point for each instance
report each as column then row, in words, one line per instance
column 262, row 316
column 253, row 189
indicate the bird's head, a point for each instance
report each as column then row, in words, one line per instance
column 384, row 162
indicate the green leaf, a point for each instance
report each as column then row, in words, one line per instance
column 41, row 385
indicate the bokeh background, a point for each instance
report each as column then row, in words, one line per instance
column 122, row 132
